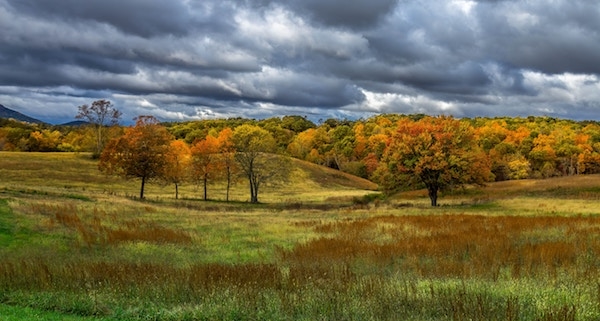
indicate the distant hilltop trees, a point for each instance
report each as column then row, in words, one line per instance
column 511, row 147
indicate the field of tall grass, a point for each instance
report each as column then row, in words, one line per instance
column 75, row 245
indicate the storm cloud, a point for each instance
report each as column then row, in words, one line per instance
column 191, row 59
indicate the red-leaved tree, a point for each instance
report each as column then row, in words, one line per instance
column 139, row 153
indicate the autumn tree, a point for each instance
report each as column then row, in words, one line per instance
column 543, row 156
column 254, row 147
column 227, row 158
column 437, row 152
column 141, row 152
column 205, row 161
column 302, row 144
column 44, row 141
column 177, row 166
column 99, row 114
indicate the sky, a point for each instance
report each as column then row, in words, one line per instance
column 182, row 60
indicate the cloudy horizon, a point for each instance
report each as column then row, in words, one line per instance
column 189, row 59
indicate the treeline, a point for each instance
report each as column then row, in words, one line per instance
column 27, row 137
column 516, row 147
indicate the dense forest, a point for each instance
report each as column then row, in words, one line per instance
column 514, row 147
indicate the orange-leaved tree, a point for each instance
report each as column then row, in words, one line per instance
column 141, row 152
column 205, row 161
column 177, row 166
column 436, row 152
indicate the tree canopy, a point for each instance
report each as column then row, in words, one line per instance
column 142, row 152
column 99, row 114
column 436, row 152
column 512, row 147
column 254, row 153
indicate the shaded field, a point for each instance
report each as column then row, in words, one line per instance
column 82, row 248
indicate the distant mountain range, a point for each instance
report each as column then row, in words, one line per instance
column 76, row 123
column 9, row 113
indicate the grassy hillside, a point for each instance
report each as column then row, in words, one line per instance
column 74, row 244
column 77, row 175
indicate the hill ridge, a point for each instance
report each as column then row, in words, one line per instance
column 9, row 113
column 329, row 177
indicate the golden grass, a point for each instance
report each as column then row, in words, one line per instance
column 458, row 246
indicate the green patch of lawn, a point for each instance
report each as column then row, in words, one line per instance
column 13, row 313
column 6, row 223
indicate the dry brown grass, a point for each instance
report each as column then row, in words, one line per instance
column 97, row 227
column 461, row 246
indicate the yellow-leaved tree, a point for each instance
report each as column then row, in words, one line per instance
column 254, row 148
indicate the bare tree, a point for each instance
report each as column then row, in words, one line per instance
column 100, row 115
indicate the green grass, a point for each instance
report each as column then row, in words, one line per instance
column 7, row 225
column 74, row 245
column 16, row 313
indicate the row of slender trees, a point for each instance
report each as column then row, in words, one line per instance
column 148, row 151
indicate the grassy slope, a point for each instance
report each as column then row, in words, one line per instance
column 67, row 174
column 330, row 178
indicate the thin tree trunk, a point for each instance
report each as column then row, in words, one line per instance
column 253, row 196
column 142, row 188
column 256, row 192
column 205, row 187
column 176, row 191
column 228, row 185
column 98, row 138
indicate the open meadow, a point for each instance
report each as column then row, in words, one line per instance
column 77, row 245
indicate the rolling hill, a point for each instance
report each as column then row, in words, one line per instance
column 50, row 173
column 9, row 113
column 327, row 177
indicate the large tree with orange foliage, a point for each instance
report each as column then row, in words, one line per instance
column 435, row 152
column 141, row 152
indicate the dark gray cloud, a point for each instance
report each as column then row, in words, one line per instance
column 354, row 14
column 145, row 18
column 557, row 38
column 187, row 59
